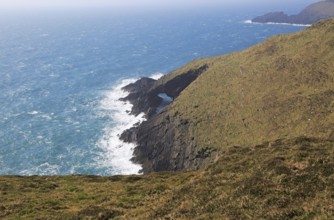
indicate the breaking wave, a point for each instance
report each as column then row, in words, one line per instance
column 275, row 23
column 116, row 153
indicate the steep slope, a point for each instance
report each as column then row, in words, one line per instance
column 281, row 88
column 311, row 14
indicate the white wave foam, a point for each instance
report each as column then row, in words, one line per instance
column 33, row 113
column 300, row 25
column 117, row 154
column 276, row 23
column 156, row 76
column 46, row 116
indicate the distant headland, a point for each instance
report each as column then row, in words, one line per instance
column 310, row 15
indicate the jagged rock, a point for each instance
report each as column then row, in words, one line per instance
column 144, row 93
column 139, row 85
column 129, row 135
column 158, row 142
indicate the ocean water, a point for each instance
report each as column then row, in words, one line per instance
column 61, row 76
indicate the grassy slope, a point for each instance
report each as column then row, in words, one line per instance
column 323, row 9
column 284, row 179
column 77, row 197
column 273, row 94
column 281, row 88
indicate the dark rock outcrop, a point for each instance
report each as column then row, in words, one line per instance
column 139, row 85
column 142, row 97
column 310, row 15
column 162, row 145
column 144, row 94
column 160, row 142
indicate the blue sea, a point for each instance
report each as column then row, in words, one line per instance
column 61, row 76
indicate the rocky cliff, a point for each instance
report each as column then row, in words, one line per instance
column 144, row 94
column 281, row 88
column 310, row 15
column 159, row 131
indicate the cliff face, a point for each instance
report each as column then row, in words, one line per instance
column 281, row 88
column 144, row 94
column 310, row 15
column 160, row 139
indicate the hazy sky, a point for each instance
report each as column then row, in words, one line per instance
column 136, row 3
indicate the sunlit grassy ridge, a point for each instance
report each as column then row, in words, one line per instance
column 268, row 113
column 281, row 88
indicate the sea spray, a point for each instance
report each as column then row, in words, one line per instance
column 156, row 76
column 117, row 154
column 277, row 23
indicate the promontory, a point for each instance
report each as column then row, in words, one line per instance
column 310, row 15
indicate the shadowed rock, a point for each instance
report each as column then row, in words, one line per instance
column 144, row 93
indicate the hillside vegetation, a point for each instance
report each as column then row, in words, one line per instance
column 258, row 122
column 285, row 179
column 281, row 88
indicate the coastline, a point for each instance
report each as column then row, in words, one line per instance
column 159, row 142
column 118, row 154
column 275, row 23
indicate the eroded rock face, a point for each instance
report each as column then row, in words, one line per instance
column 163, row 146
column 160, row 142
column 139, row 85
column 174, row 87
column 141, row 96
column 144, row 94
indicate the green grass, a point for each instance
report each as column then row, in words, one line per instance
column 281, row 88
column 268, row 181
column 284, row 179
column 39, row 197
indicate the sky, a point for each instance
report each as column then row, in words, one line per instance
column 146, row 3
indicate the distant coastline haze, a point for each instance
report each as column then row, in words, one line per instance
column 130, row 4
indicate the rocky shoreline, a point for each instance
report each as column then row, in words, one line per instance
column 160, row 145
